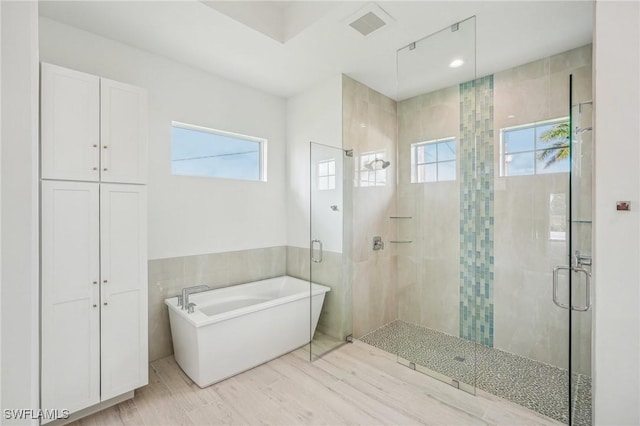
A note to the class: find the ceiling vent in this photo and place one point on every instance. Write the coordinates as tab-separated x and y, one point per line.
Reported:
369	19
367	24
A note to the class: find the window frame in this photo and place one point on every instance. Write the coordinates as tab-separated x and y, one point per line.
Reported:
262	143
415	163
535	151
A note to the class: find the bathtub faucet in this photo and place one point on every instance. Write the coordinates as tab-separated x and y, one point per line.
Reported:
189	290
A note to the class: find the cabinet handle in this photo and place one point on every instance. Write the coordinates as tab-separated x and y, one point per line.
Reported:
95	306
105	169
105	147
95	168
95	146
105	303
95	282
105	281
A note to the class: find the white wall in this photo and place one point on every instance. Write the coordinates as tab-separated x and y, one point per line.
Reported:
314	115
189	215
617	234
20	302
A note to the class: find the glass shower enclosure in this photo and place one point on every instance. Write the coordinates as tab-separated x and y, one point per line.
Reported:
493	223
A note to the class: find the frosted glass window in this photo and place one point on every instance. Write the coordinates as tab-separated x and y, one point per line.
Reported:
433	161
199	151
327	175
535	148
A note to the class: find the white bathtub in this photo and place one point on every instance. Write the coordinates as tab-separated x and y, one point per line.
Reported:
237	328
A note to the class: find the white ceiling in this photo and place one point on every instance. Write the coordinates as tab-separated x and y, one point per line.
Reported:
286	47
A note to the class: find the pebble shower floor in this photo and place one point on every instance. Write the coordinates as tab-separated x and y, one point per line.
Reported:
537	386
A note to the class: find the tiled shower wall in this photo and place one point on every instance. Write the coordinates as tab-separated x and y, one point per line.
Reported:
429	266
526	320
369	126
515	218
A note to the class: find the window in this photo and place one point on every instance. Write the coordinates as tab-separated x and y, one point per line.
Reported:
327	175
198	151
433	161
372	169
535	148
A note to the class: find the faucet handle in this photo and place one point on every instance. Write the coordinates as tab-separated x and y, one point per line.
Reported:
190	308
179	300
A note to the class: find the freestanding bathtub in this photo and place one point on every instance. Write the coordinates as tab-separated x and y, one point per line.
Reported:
234	329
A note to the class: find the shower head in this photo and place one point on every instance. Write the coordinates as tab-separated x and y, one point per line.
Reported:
377	164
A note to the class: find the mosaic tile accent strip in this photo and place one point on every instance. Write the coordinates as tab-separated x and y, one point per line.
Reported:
476	210
537	386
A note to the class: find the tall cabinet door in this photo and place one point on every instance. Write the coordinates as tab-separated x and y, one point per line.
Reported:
123	264
123	132
70	295
70	126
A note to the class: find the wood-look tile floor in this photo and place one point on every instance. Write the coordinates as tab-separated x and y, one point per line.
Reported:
356	384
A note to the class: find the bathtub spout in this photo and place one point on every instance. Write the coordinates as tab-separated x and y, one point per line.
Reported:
189	290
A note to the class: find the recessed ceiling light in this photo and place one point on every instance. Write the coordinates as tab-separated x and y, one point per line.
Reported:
510	116
456	63
363	125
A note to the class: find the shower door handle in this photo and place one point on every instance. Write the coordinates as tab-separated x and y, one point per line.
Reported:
320	251
556	270
587	275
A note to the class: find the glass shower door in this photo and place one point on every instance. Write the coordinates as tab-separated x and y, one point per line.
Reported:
437	242
530	210
581	245
331	318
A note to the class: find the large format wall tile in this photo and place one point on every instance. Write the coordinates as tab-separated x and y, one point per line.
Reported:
526	320
429	268
370	127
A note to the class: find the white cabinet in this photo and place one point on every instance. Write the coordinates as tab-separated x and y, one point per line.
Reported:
123	132
93	129
123	274
93	239
70	295
94	292
70	124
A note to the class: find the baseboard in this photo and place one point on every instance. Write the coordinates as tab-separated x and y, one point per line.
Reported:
93	409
